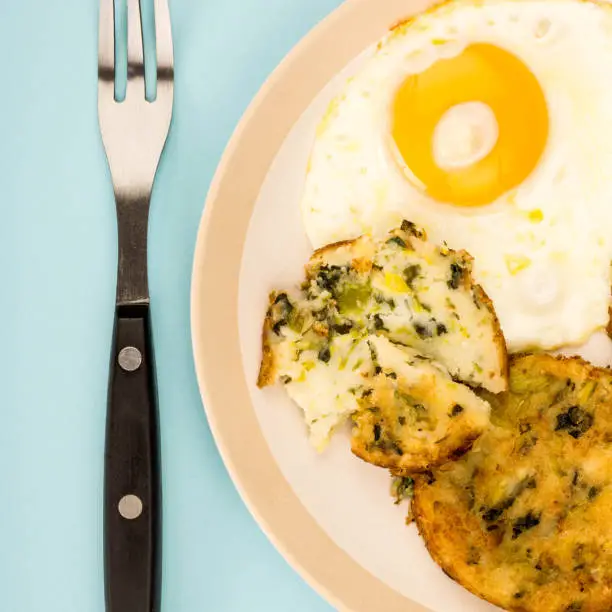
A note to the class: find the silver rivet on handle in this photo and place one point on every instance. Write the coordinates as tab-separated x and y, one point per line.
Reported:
130	507
129	358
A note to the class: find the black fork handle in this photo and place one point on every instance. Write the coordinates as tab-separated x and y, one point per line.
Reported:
132	482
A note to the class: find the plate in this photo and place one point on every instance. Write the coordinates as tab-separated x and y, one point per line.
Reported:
329	514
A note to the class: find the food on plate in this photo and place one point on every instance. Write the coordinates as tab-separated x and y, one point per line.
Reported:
414	416
524	519
430	302
418	294
316	339
487	124
324	376
402	488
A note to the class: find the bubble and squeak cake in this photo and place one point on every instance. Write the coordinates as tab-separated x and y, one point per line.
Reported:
414	416
486	124
401	306
525	518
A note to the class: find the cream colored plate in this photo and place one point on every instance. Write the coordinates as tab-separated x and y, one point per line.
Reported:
330	515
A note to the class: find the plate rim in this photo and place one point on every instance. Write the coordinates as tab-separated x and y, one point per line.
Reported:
347	586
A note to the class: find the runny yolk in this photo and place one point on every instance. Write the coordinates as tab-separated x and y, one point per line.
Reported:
485	74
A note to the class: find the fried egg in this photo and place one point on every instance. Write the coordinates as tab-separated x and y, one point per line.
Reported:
487	123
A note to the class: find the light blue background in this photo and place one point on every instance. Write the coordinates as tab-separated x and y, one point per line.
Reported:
57	251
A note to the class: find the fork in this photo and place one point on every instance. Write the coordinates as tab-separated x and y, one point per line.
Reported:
134	133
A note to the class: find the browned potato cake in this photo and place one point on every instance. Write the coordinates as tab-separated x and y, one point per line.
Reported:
403	288
524	519
414	415
419	294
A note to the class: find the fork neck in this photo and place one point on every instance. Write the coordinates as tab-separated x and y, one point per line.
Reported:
132	226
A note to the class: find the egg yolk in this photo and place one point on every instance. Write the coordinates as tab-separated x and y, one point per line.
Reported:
483	74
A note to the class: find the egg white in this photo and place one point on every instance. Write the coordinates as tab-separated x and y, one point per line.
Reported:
542	251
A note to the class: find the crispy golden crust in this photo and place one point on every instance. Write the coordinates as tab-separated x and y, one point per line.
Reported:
267	369
319	254
498	335
453	531
481	298
412	427
524	519
409	464
358	255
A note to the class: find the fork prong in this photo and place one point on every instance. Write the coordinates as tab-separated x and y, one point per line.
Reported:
136	82
163	41
106	41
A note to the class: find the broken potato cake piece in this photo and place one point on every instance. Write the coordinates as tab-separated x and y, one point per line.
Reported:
323	363
418	294
403	288
524	519
414	416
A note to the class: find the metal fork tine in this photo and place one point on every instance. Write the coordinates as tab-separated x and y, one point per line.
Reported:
106	42
136	82
163	38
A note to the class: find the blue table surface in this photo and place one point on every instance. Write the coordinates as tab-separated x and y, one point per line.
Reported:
58	250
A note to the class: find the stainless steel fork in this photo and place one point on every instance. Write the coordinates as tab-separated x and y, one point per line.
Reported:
134	132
